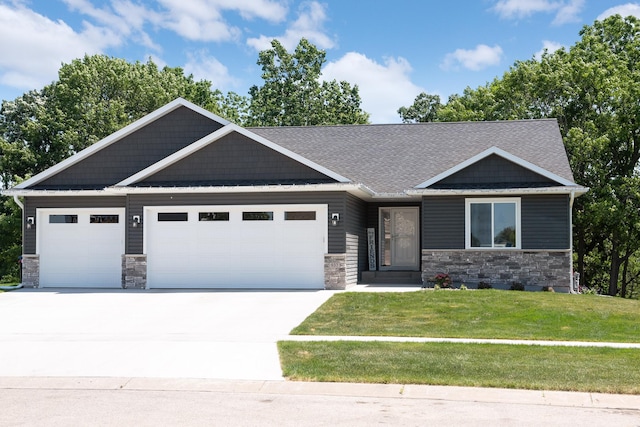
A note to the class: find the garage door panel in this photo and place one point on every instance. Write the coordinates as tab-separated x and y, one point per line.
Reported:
236	253
82	253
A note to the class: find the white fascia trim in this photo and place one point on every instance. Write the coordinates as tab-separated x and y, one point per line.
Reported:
220	133
504	154
20	192
116	136
573	189
355	188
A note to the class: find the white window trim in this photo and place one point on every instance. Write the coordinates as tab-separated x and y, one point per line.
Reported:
467	231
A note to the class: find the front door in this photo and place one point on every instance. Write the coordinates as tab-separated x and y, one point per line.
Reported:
399	231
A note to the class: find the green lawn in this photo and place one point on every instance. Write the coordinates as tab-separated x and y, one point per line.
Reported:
477	314
590	369
471	314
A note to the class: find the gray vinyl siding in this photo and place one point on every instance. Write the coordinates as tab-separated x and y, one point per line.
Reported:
334	200
33	203
235	160
134	152
545	222
494	170
443	223
356	237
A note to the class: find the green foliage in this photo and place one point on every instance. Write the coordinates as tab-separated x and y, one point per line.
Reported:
10	240
424	109
292	94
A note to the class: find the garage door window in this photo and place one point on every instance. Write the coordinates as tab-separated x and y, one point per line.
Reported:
104	219
257	216
63	219
173	216
213	216
300	216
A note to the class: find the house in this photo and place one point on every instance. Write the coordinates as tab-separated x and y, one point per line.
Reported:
185	199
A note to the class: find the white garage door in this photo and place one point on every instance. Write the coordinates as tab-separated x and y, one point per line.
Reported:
257	246
80	247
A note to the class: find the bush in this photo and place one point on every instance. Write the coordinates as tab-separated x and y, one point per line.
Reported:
548	289
516	286
443	280
484	285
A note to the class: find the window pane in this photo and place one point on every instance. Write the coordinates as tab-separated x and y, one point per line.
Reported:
481	225
173	216
504	225
214	216
300	216
257	216
63	219
386	237
104	219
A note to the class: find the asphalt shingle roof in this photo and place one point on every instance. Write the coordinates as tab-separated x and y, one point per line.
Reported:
396	157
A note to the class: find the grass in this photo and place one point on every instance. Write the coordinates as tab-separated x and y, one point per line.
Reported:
477	314
586	369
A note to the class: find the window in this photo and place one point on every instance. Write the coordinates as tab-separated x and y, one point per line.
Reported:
257	216
493	223
63	219
173	216
300	216
213	216
104	219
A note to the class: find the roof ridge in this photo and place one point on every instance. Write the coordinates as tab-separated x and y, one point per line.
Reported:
544	119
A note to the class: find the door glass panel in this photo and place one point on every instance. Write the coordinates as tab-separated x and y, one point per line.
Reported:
63	219
403	237
385	254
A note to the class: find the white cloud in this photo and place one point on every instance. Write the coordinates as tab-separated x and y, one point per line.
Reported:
206	67
481	57
549	46
309	25
383	87
35	46
565	10
629	9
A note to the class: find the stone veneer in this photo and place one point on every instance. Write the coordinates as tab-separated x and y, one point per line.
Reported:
31	271
335	271
134	271
534	269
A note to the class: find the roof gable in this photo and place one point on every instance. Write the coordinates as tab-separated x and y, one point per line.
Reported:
170	167
126	151
501	153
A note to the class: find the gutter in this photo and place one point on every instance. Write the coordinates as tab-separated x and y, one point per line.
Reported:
572	196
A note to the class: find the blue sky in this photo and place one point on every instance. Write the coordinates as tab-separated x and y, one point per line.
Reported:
393	50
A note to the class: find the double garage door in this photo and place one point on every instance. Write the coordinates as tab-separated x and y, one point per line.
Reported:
255	246
249	246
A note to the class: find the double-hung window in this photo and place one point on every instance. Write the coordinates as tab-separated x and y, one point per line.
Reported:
493	223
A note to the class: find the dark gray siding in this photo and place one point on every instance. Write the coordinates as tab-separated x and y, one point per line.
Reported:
356	237
335	201
237	160
373	221
32	203
443	223
545	222
494	172
134	152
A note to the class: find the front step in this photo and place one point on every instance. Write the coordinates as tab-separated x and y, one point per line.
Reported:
392	277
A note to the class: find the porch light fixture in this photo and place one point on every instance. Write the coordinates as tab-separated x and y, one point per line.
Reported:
335	218
30	221
136	220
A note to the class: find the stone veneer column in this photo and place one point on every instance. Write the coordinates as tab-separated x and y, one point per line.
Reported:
30	271
335	271
134	271
501	268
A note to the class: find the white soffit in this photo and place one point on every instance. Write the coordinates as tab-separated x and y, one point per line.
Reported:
116	136
504	154
215	136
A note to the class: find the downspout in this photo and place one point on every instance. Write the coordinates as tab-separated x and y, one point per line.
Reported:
572	196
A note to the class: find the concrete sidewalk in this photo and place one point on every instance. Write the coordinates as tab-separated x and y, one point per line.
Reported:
399	391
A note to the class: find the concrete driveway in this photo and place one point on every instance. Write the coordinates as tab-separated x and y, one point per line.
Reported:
163	334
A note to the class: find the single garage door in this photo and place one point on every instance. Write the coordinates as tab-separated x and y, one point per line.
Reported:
257	246
80	247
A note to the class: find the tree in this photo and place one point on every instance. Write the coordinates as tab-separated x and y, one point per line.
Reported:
424	109
292	94
593	91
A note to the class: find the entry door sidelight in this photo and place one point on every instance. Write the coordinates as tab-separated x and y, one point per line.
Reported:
399	231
